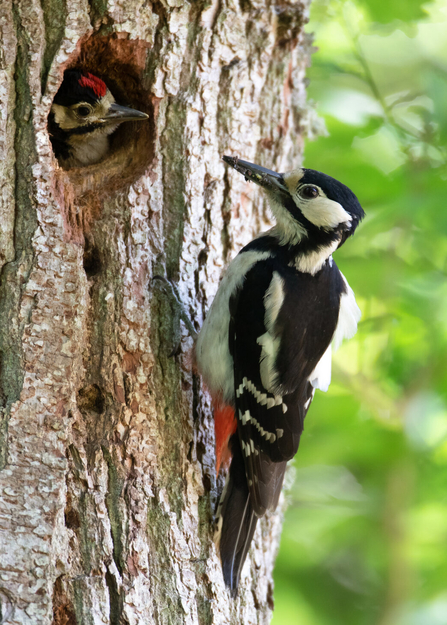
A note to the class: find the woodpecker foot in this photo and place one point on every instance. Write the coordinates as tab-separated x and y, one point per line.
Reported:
179	312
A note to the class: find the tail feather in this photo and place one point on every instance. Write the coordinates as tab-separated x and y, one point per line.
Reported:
236	519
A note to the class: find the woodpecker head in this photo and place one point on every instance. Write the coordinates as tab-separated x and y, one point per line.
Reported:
310	208
83	114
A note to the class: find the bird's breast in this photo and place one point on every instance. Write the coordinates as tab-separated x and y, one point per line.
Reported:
86	149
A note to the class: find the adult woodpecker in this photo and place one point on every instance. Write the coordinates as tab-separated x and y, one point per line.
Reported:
83	115
266	343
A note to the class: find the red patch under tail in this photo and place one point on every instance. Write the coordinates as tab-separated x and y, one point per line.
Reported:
225	425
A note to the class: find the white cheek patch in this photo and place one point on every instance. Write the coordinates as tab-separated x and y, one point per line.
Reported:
64	117
323	212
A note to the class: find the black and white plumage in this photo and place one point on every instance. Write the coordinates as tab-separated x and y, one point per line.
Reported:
266	343
83	116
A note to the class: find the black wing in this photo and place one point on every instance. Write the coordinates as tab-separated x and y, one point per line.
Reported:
270	420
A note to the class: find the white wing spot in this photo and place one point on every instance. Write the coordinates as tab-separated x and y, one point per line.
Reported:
261	398
245	417
240	389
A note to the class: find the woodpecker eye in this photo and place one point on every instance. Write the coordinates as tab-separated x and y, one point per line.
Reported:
83	110
308	192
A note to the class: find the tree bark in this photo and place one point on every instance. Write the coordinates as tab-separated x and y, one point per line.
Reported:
107	480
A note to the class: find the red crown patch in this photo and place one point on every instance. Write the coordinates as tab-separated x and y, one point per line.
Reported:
95	84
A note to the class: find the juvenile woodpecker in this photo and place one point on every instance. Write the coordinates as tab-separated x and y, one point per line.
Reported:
266	343
83	115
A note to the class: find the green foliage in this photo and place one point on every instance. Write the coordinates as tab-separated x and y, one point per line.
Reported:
365	536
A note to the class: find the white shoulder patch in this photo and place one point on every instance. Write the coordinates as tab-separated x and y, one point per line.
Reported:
214	360
269	342
323	212
348	317
273	300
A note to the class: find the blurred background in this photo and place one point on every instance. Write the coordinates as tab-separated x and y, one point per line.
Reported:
365	535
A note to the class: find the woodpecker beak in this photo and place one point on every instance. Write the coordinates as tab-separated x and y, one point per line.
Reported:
265	178
117	114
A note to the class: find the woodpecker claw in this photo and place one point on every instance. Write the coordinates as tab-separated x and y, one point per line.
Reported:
179	312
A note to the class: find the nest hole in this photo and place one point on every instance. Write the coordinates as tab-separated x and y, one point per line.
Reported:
120	63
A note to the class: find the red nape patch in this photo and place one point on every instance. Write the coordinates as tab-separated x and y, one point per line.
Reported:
95	84
225	425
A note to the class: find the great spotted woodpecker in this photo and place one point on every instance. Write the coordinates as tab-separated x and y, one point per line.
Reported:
266	343
83	115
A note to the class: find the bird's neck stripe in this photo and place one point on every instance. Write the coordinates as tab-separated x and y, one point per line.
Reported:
84	130
94	83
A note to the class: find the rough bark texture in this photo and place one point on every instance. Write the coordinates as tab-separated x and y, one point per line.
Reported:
107	482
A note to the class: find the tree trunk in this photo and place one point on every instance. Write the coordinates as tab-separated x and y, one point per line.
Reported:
107	480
